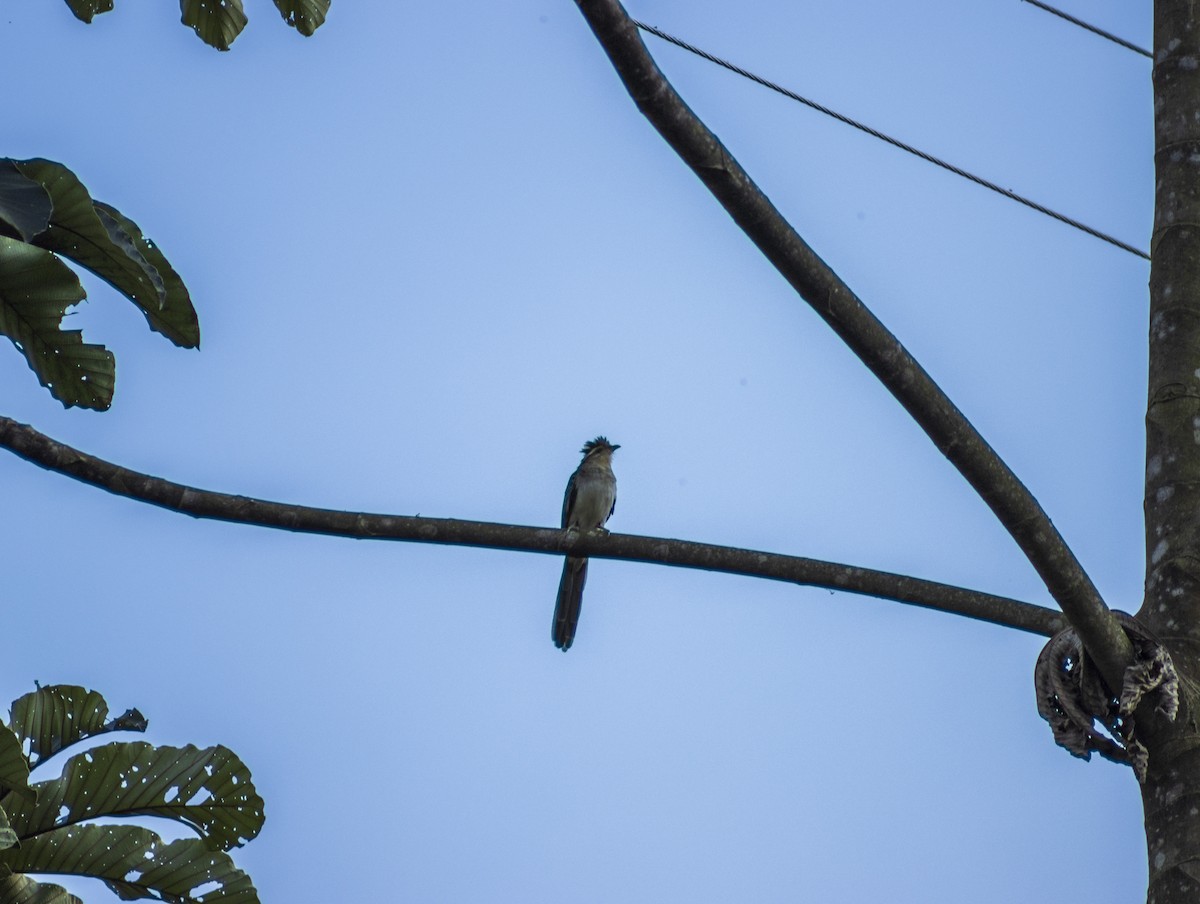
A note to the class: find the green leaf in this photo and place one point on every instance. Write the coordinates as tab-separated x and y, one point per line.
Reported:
86	9
25	206
14	768
217	22
77	231
209	790
8	838
36	288
23	890
306	16
56	716
176	319
136	863
103	240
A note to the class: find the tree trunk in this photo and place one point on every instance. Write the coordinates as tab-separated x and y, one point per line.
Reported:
1171	794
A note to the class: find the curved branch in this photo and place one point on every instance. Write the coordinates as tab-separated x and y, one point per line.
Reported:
954	436
39	449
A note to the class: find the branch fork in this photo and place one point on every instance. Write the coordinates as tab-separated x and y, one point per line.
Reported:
1072	695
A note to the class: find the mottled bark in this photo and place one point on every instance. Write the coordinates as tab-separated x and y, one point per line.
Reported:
1171	796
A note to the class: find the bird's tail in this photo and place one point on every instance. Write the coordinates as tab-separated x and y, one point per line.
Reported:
570	601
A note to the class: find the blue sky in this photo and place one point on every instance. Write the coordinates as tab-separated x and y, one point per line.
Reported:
434	249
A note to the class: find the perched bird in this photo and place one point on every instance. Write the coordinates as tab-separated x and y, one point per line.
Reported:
590	500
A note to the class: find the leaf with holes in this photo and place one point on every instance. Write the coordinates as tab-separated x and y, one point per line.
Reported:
59	715
53	830
217	22
136	863
306	16
36	288
105	241
209	790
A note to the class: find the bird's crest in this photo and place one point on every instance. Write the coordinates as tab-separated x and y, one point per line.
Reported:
600	442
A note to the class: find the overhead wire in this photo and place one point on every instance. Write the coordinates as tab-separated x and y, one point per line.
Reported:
1092	28
875	133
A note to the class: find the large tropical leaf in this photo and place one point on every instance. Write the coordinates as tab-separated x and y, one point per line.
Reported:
59	715
306	16
14	778
209	790
36	288
217	22
25	205
87	9
52	830
14	768
185	867
136	863
23	890
75	231
111	245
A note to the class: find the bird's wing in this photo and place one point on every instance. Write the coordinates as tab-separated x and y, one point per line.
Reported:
569	499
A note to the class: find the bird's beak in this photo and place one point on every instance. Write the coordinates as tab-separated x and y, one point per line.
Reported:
616	447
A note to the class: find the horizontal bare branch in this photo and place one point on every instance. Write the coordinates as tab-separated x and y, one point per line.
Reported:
954	436
41	450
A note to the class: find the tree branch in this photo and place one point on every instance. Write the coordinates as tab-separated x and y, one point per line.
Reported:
39	449
876	347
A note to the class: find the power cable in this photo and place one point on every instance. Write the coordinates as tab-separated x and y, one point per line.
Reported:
1092	28
874	133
